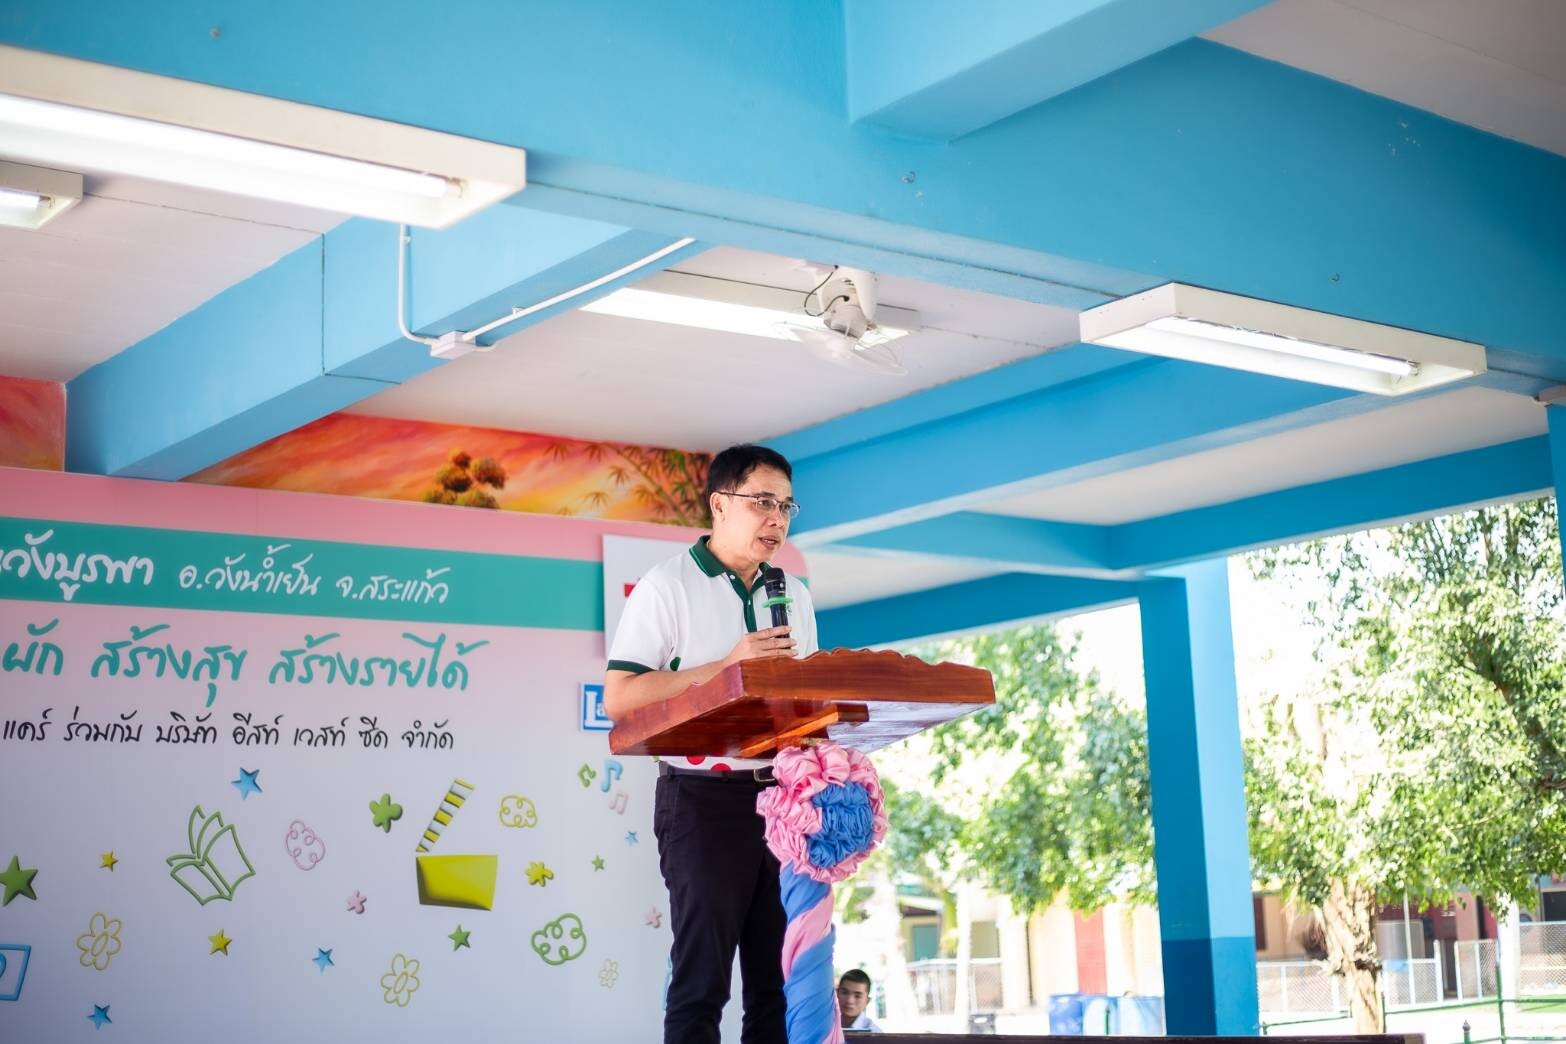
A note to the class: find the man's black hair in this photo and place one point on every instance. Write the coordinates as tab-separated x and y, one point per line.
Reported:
733	466
855	975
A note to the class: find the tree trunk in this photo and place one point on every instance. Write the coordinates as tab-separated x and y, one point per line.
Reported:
1351	951
896	987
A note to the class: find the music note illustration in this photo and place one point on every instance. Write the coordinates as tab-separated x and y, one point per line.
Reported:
617	803
586	775
611	773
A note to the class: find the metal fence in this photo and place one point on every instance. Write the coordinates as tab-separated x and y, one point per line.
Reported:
1405	984
1297	988
1541	963
1475	960
1541	958
935	985
1286	988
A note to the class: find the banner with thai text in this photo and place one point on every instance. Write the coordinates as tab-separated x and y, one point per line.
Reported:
281	766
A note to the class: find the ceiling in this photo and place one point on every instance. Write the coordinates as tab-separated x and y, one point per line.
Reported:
126	261
585	375
136	255
1500	67
838	579
1431	426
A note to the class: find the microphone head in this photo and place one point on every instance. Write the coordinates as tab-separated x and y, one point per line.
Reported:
772	579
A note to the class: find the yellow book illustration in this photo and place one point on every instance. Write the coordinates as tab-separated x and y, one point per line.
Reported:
457	880
467	881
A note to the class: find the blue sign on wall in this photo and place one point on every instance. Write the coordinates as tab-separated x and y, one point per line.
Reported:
594	718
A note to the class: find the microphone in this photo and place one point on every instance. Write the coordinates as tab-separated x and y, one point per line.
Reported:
772	580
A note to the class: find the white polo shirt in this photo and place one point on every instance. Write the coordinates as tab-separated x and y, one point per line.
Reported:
692	610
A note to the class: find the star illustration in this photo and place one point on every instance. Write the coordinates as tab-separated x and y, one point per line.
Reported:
17	882
539	874
459	939
99	1016
108	861
247	782
356	902
323	959
219	943
385	812
654	918
630	837
598	862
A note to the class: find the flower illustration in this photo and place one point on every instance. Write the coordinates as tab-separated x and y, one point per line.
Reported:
609	974
100	942
402	982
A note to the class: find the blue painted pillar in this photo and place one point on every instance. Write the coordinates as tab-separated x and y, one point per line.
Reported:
1557	419
1200	843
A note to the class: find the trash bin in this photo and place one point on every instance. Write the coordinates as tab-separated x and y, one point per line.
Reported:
981	1024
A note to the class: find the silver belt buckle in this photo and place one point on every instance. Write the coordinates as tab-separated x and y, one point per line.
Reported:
763	774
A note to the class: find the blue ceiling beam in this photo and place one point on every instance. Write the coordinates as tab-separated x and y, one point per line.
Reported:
966	607
940	70
1000	541
1048	369
317	331
1143	413
1198	163
1440	485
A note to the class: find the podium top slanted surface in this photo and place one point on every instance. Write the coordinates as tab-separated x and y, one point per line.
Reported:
856	698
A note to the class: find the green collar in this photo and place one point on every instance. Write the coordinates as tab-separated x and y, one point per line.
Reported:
706	559
712	567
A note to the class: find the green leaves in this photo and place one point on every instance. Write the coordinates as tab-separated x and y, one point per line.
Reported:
1071	817
1425	752
1433	755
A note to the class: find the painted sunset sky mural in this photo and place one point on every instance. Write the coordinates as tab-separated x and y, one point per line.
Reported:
32	424
355	455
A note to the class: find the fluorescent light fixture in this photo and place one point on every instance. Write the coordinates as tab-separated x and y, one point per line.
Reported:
1244	333
728	306
97	118
31	197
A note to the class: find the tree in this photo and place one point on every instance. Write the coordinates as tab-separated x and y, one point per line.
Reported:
1427	756
461	482
668	485
1424	755
1069	813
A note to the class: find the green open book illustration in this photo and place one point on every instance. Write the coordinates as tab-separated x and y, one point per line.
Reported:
215	864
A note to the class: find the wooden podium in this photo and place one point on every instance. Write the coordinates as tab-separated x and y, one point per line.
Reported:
855	698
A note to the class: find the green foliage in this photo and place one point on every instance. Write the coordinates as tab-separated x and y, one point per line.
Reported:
924	836
1070	817
1428	756
1426	752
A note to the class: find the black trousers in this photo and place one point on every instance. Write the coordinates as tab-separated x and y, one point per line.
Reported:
723	894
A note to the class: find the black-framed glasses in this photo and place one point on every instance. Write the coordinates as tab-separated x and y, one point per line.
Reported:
765	504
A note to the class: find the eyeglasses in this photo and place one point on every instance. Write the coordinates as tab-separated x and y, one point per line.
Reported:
767	505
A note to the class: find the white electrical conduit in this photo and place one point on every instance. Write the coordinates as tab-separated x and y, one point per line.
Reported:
403	239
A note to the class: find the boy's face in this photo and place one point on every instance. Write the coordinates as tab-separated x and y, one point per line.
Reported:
852	997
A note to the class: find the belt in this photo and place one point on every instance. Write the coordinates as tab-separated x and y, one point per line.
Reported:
760	776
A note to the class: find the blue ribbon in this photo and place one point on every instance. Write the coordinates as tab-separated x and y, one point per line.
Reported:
846	824
808	989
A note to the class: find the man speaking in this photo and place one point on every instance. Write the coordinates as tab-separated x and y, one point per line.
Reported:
686	620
